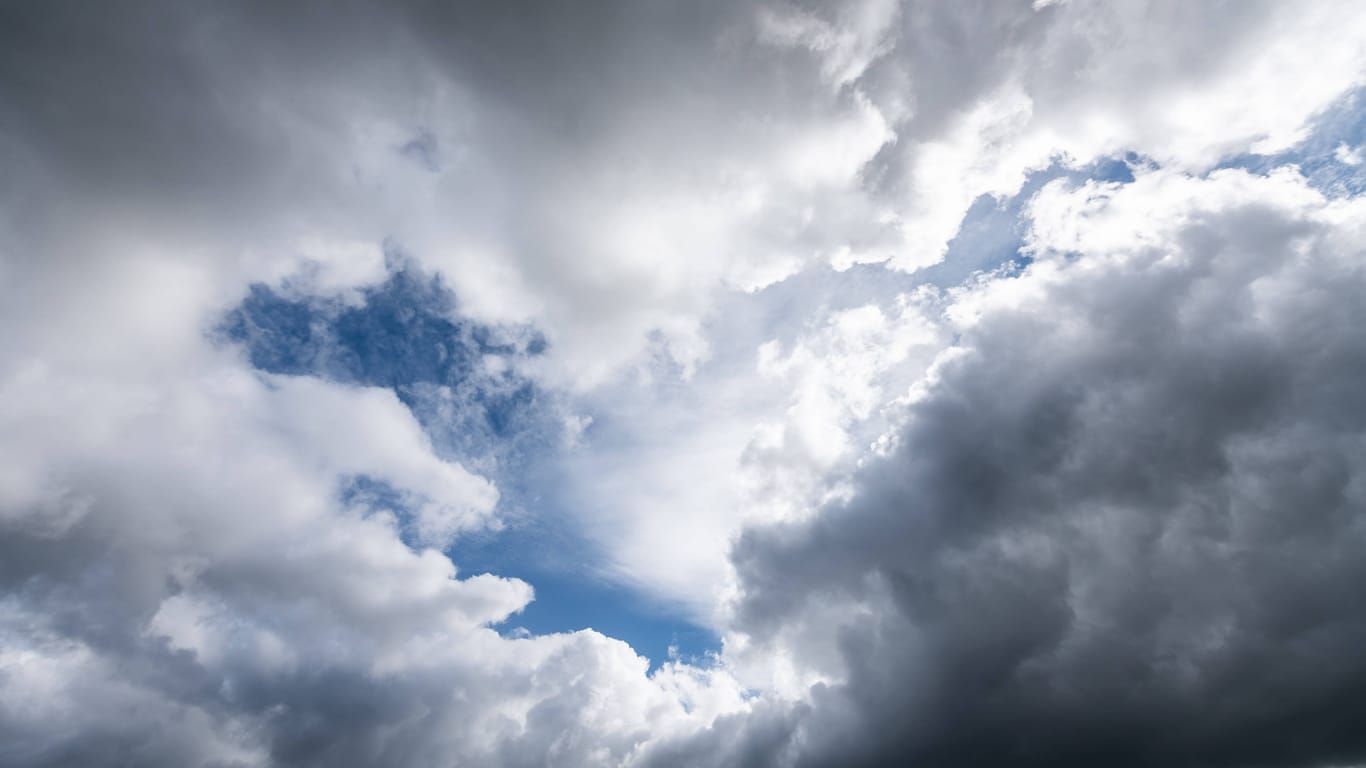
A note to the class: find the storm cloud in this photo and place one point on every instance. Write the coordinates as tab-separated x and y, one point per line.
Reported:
1122	524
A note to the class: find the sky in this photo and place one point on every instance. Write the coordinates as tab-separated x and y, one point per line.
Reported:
647	383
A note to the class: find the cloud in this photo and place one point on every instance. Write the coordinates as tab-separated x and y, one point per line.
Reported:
602	173
186	583
1121	520
1099	508
984	93
464	381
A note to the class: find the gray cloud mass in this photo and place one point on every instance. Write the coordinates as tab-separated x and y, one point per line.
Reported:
1123	527
1114	509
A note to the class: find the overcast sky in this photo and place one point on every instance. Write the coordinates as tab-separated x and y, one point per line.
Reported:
663	383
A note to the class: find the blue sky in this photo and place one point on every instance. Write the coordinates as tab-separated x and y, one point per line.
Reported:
406	335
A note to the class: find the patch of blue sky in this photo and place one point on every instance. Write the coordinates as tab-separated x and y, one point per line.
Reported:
455	375
460	381
572	593
991	235
1331	156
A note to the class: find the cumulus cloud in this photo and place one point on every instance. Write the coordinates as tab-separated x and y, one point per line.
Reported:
1122	519
1099	505
186	581
186	584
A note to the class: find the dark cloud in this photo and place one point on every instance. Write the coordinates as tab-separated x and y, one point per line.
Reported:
1122	527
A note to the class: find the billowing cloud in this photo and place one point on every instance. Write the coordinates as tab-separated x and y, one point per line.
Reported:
1121	523
298	300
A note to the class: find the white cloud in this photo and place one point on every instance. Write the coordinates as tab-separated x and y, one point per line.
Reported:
1183	84
209	539
175	543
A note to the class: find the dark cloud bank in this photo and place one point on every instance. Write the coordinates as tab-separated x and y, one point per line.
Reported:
1126	527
